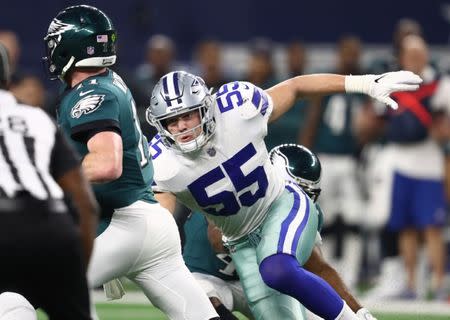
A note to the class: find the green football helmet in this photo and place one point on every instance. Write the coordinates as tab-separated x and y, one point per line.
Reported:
79	36
300	165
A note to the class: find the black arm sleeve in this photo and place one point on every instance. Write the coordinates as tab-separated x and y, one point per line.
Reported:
63	157
86	131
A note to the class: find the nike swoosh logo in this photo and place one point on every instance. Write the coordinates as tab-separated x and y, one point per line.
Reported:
85	93
378	79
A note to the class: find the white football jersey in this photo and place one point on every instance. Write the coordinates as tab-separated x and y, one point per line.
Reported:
27	142
231	178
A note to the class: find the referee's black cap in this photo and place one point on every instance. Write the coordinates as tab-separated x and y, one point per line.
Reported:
5	67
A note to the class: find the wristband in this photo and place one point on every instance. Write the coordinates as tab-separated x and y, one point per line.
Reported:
360	84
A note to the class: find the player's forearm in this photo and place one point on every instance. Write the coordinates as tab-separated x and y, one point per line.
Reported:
166	200
332	277
77	188
215	238
318	84
88	226
285	94
314	84
102	167
317	265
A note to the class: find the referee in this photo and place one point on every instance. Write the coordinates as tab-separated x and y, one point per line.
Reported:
43	253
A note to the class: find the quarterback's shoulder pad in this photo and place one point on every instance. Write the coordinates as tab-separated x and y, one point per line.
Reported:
88	98
247	99
88	88
164	160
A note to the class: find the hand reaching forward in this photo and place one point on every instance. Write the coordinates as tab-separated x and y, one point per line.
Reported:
381	86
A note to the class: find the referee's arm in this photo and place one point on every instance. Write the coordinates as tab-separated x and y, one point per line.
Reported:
67	172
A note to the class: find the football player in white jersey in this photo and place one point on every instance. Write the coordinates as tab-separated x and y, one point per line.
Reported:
210	155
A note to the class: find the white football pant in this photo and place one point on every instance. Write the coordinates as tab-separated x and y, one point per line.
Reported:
142	243
230	293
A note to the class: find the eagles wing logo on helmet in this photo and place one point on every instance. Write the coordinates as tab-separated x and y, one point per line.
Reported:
58	27
87	105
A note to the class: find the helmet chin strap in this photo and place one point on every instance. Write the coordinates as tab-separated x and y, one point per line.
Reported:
67	67
190	146
193	145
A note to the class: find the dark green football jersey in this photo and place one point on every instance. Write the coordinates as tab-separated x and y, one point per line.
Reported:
198	254
335	133
319	210
104	103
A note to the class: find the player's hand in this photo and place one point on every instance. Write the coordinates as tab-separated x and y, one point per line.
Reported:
381	86
364	314
385	84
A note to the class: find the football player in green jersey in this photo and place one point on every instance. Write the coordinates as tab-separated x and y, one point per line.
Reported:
213	267
98	114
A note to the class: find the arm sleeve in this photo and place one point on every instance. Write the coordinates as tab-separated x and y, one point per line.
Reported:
86	131
63	157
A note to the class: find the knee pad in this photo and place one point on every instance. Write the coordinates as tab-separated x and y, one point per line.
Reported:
14	306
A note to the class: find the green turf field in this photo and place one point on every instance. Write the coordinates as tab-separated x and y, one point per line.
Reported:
109	311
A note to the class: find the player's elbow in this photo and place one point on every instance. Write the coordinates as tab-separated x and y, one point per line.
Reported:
112	174
113	170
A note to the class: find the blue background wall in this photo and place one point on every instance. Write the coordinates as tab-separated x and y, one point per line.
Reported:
231	20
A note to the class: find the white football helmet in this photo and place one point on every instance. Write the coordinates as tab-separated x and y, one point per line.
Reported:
177	93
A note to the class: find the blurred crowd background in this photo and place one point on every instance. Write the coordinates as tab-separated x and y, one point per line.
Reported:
364	150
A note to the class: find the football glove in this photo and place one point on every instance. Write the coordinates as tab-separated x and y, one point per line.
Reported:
113	289
381	86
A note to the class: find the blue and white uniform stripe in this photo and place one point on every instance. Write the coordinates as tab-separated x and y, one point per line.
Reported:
293	226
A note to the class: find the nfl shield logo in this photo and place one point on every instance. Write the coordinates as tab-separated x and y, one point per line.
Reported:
211	152
90	50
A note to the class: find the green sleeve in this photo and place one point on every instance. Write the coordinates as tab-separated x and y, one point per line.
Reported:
93	113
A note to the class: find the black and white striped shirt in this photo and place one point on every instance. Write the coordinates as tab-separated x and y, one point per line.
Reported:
33	152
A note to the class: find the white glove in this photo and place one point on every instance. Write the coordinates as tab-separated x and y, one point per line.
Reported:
364	314
113	289
381	86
